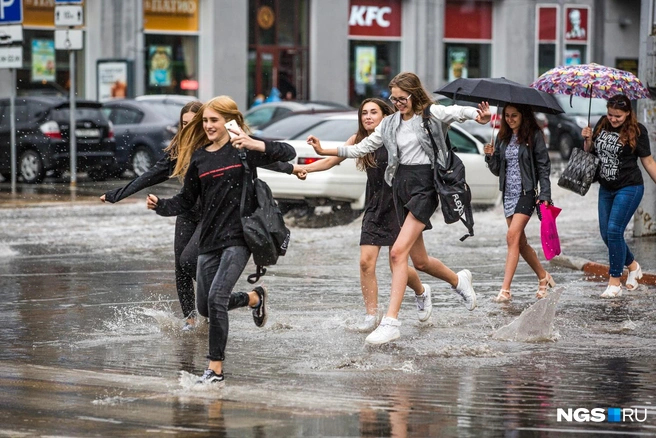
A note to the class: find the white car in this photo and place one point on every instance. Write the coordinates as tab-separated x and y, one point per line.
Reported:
345	184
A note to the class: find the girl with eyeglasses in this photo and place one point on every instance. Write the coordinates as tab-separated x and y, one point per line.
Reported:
619	140
410	173
379	224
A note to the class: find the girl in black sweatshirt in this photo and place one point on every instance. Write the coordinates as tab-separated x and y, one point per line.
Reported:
214	174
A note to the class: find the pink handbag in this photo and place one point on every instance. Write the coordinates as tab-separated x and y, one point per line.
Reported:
548	231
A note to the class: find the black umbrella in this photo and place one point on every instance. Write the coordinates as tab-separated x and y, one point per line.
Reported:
499	91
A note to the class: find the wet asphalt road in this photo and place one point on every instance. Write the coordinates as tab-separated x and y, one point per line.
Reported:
91	342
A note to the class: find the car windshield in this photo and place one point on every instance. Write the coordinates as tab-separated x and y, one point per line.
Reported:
170	110
288	127
331	130
580	105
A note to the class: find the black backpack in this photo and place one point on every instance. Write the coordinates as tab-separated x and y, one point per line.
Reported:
453	192
265	231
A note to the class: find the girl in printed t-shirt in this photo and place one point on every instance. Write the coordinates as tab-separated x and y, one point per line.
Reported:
618	141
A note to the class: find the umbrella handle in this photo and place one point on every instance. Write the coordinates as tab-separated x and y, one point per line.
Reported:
590	102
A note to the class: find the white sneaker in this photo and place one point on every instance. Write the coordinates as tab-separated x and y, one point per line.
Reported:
465	289
633	277
612	292
368	324
424	304
387	331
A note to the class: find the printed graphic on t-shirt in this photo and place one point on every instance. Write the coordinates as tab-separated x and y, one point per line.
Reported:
608	150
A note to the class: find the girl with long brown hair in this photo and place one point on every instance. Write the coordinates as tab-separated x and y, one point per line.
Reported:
410	173
619	140
380	227
520	159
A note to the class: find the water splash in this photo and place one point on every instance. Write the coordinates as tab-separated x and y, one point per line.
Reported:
535	324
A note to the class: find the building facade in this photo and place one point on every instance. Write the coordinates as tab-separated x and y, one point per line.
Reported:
337	50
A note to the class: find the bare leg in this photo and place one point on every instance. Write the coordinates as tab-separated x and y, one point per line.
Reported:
368	281
411	243
517	243
414	282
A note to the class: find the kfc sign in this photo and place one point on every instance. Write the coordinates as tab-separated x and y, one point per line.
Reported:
371	18
576	24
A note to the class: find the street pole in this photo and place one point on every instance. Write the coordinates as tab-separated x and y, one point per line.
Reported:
12	129
71	130
139	67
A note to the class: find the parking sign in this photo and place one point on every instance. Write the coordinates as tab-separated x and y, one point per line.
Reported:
11	11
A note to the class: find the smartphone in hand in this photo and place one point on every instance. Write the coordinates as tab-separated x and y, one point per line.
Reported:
232	126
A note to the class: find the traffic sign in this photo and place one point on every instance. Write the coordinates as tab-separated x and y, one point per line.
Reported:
68	39
11	57
11	11
11	33
68	15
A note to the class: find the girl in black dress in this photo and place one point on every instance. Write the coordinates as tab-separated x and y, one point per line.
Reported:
380	226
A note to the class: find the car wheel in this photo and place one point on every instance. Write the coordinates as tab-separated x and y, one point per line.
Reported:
565	145
142	160
31	167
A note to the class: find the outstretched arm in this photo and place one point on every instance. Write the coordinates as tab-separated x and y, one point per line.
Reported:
328	163
157	174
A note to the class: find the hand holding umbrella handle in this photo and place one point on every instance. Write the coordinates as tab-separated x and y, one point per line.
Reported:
488	149
586	133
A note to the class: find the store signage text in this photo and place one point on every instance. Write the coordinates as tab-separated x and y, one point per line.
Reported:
375	18
365	15
171	6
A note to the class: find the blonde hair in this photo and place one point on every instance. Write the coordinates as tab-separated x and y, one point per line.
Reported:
172	148
193	137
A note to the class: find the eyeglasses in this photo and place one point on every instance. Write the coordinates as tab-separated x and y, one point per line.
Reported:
401	100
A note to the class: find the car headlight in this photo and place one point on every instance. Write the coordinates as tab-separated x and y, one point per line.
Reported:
581	122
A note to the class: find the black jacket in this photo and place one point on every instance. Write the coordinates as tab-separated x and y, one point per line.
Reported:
161	172
535	167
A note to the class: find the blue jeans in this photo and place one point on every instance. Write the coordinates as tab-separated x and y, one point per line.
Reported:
217	275
616	207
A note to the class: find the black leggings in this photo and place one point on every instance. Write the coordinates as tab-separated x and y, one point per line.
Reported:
185	247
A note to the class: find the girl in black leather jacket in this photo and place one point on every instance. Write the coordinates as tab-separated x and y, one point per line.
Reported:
521	161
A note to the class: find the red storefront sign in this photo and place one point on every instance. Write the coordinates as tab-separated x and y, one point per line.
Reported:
547	23
468	20
576	24
375	18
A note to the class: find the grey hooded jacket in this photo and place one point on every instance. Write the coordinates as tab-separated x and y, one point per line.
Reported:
385	134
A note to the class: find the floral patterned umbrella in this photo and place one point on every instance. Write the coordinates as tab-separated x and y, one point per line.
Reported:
591	80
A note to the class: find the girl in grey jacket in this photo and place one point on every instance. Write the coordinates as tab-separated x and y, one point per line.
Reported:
410	173
521	162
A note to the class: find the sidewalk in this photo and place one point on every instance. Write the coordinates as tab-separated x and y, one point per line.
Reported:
597	270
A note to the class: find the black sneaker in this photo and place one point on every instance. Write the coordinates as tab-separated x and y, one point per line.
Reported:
210	377
260	311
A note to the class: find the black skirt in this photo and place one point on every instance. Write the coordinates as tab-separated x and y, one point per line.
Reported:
526	203
414	191
380	226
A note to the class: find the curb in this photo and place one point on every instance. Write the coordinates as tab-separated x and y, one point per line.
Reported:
596	269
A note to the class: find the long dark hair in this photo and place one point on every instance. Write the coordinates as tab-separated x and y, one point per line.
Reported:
172	148
629	131
526	130
367	161
410	83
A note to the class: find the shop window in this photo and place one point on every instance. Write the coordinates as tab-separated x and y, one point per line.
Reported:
170	59
466	61
546	57
372	65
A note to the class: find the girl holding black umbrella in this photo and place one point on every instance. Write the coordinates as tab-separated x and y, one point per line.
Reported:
521	161
619	140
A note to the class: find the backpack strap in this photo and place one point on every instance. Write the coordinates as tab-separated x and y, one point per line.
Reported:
248	177
426	124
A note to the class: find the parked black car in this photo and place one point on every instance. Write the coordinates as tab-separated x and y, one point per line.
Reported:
566	128
142	133
42	138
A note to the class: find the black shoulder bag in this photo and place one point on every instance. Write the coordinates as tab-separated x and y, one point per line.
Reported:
265	231
453	192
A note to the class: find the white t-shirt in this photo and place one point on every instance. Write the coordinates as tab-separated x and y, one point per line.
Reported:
410	150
